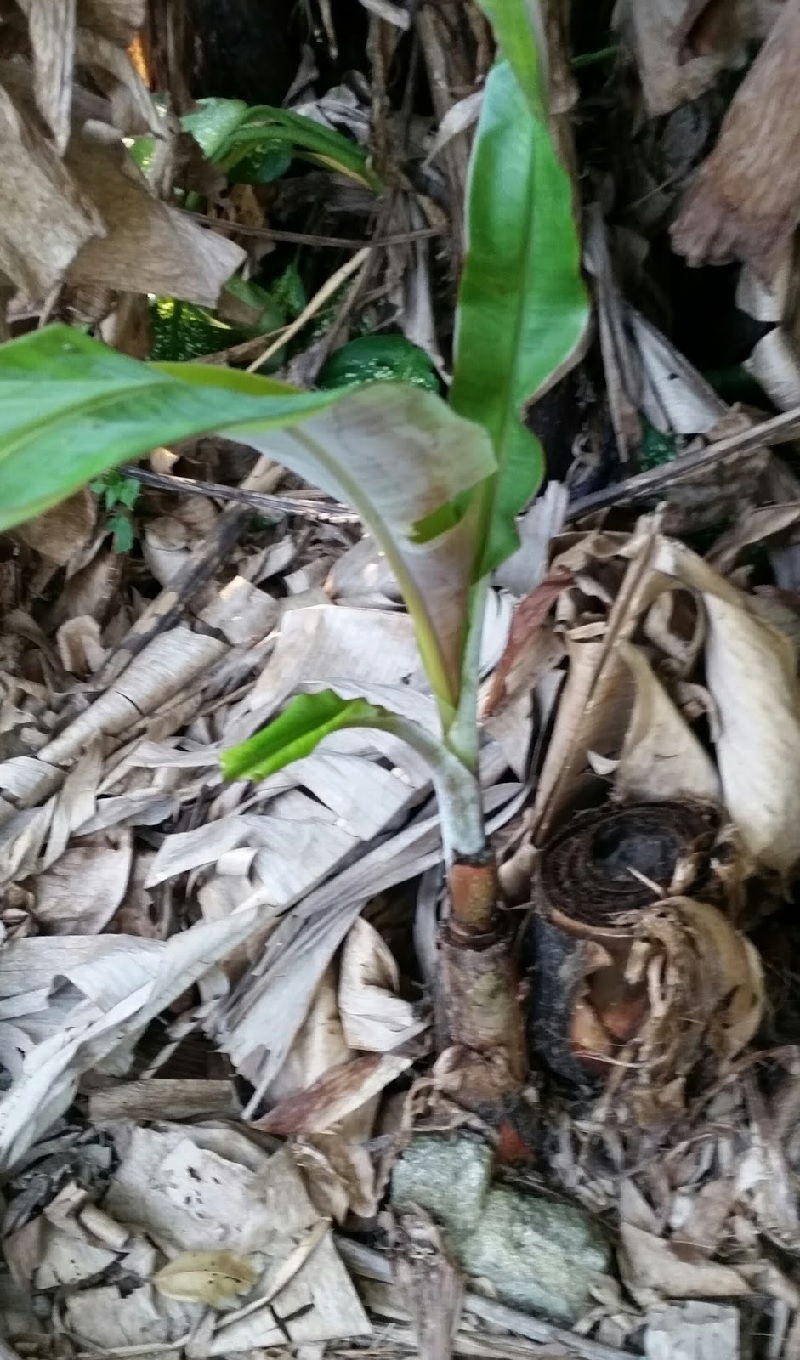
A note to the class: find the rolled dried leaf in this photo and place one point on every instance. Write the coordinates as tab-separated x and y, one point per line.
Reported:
595	702
609	862
597	879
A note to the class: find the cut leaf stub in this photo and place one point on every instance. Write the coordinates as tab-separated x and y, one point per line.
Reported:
628	969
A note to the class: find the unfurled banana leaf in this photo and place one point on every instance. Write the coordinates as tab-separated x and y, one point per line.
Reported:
523	307
70	409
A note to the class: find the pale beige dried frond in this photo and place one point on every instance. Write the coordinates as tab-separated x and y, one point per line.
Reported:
751	674
374	1018
661	757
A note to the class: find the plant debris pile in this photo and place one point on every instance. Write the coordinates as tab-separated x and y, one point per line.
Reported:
236	1117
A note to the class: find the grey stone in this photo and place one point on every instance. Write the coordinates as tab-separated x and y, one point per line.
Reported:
536	1254
539	1255
448	1177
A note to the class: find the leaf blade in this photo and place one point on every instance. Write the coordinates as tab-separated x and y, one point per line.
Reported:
523	307
70	409
519	31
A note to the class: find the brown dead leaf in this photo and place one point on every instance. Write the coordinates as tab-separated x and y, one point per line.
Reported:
132	109
651	1266
745	201
52	27
759	525
528	617
337	1093
708	1210
676	625
374	1018
79	894
119	20
728	971
62	532
341	1172
96	194
182	1186
331	1194
38	188
151	246
658	32
79	646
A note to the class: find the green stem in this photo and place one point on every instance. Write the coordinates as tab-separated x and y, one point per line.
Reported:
441	683
457	788
462	735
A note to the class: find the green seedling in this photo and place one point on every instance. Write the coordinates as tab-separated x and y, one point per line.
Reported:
119	495
437	483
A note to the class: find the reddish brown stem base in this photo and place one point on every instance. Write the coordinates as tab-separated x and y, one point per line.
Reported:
482	988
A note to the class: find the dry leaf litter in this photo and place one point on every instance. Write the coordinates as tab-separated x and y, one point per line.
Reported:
218	1004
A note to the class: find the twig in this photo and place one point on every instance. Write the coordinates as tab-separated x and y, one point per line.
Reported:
779	430
330	512
304	368
302	238
234	354
204	560
535	1329
444	41
161	613
329	287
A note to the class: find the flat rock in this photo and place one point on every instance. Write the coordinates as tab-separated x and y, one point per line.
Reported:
537	1254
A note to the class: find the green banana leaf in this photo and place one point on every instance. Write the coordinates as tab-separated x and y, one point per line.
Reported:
415	471
519	32
523	307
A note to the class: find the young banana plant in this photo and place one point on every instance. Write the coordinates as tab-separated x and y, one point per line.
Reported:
437	483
